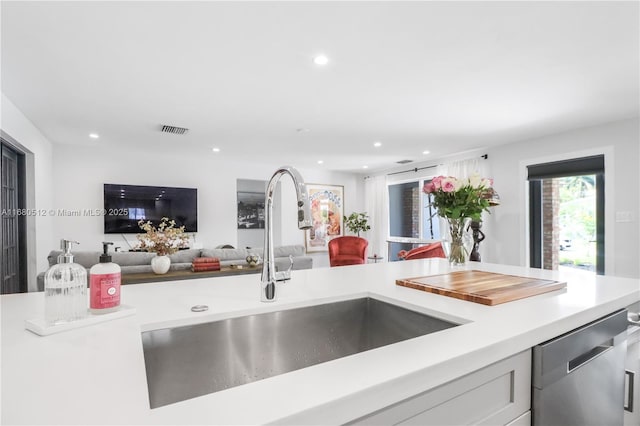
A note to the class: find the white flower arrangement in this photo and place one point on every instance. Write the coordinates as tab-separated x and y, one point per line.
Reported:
163	240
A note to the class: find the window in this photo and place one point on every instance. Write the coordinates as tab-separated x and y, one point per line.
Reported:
13	270
566	203
411	215
137	213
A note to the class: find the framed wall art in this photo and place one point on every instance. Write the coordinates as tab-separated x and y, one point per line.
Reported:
250	210
327	212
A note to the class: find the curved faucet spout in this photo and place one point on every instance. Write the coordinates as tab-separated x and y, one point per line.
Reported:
269	276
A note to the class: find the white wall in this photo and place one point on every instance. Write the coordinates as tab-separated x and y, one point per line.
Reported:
80	172
39	162
619	142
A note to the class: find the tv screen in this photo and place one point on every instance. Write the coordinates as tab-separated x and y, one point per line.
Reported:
125	205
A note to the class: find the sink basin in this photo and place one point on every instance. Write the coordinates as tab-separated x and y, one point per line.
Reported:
190	361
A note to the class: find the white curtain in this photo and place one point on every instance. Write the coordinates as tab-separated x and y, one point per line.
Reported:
465	168
377	207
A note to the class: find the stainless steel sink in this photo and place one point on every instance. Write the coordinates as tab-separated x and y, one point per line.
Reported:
190	361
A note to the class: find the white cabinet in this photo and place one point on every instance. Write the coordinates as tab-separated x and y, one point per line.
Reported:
498	394
523	420
632	380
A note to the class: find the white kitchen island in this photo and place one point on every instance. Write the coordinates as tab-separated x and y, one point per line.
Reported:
96	374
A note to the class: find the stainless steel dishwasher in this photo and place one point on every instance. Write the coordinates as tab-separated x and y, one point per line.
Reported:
578	378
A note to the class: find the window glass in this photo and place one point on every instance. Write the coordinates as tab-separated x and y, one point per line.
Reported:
411	215
136	213
404	210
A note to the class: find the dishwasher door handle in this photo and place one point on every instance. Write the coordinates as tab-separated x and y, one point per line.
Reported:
586	357
630	393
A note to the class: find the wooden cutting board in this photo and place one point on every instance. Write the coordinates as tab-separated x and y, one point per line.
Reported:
487	288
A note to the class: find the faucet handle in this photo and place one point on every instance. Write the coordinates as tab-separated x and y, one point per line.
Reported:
285	275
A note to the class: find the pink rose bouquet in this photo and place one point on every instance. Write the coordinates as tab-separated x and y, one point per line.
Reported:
460	198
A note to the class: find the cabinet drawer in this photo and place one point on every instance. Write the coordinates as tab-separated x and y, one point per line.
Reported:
496	394
523	420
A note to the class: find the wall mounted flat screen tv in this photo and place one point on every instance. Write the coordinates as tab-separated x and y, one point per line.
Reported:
125	205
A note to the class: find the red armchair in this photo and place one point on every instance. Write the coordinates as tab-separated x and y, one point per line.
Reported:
430	250
348	251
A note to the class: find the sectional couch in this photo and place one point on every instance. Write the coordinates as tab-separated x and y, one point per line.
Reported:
140	262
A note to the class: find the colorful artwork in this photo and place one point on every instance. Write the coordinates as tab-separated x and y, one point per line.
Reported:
327	211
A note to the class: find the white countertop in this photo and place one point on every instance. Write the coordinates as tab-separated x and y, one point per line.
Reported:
96	374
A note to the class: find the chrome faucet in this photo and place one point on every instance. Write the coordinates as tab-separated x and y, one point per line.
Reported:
269	274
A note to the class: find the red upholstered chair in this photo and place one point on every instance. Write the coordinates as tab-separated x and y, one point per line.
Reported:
348	251
430	250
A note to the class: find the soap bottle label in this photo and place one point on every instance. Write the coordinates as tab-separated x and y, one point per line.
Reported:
105	291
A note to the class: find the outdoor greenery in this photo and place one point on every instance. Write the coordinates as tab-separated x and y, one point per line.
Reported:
578	261
577	221
577	208
577	214
357	222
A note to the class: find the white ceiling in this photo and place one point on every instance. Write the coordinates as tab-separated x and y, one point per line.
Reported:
443	77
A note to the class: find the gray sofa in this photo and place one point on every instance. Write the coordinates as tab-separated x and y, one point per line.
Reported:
140	262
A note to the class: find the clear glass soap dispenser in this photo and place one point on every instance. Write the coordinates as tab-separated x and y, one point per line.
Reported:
65	289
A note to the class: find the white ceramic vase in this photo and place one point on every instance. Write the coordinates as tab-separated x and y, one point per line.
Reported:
160	264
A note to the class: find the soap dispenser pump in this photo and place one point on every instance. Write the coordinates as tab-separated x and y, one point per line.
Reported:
65	289
105	280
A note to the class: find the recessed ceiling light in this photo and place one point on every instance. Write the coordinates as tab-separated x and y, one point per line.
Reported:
377	144
303	130
94	135
216	149
320	161
321	60
426	152
365	167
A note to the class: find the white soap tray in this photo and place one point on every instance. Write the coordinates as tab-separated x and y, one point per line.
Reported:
40	327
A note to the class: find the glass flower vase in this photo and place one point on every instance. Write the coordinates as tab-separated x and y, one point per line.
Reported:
457	251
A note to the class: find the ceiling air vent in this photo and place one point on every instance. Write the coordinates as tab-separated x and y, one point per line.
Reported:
404	161
173	129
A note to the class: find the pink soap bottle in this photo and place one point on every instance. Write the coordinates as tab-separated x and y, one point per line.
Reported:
104	279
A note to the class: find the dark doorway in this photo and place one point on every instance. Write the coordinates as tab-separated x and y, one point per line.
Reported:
566	202
13	229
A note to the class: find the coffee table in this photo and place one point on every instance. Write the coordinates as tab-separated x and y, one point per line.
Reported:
150	277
